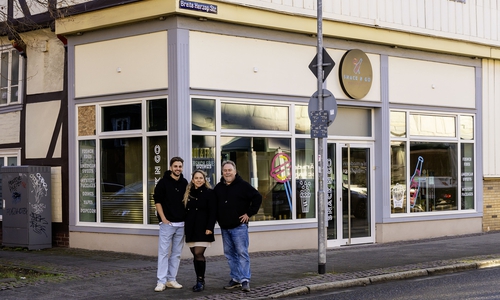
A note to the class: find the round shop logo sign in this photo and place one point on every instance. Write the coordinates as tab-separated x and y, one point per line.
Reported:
355	74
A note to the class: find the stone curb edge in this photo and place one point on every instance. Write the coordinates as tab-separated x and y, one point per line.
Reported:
307	289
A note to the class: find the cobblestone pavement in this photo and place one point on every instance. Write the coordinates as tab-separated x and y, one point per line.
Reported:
85	274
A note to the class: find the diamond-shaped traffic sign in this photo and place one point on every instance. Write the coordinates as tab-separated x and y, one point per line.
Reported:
328	65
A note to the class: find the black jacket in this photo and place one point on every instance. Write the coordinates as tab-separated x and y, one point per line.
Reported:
169	193
235	200
201	210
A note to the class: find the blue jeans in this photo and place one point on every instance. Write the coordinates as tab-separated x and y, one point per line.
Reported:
169	265
235	242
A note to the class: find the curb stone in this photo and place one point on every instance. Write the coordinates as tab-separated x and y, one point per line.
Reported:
455	268
398	275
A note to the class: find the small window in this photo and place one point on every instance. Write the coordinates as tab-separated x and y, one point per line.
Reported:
254	117
121	117
430	125
203	114
10	71
157	115
398	123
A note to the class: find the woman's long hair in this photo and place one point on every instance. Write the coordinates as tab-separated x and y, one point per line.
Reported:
191	185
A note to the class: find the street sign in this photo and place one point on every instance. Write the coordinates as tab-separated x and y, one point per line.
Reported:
329	105
328	65
319	121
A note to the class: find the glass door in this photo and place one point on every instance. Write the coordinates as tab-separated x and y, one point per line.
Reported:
349	193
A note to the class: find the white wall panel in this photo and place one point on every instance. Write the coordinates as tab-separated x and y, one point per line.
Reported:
428	83
136	63
491	122
474	20
40	123
10	124
220	62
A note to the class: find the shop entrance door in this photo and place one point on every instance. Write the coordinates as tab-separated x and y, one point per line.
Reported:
349	194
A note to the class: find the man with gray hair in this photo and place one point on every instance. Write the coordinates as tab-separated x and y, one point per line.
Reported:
237	201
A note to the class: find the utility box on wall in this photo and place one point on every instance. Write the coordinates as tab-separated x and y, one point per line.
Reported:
27	214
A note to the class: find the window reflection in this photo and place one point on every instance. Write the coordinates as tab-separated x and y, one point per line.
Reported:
157	166
305	195
204	156
302	121
433	185
121	117
429	125
157	115
467	176
265	163
398	177
121	176
259	117
359	120
398	123
203	114
466	127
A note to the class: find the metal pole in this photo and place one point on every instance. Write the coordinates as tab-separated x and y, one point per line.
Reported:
321	158
349	191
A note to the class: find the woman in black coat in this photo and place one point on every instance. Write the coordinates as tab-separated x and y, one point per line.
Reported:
201	212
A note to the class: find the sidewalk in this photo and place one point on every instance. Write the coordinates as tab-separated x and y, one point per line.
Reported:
108	275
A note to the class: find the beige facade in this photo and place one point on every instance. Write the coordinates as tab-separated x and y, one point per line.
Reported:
263	55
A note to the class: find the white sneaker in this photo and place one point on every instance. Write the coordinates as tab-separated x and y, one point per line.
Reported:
174	284
160	287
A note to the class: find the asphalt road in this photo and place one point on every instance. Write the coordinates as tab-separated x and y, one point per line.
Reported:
474	284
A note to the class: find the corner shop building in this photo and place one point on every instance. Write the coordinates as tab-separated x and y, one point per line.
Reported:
150	84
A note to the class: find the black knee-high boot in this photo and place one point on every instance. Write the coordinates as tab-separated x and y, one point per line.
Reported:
199	267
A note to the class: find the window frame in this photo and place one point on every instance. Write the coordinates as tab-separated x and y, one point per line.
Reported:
98	136
20	84
290	134
407	139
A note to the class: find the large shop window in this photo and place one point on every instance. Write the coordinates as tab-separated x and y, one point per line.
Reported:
10	74
271	152
432	167
115	186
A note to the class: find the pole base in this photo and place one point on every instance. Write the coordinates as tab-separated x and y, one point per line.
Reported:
321	268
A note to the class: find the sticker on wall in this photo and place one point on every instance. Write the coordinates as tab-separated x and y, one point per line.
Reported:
355	74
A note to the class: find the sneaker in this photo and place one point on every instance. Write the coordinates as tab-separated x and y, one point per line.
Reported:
245	286
174	284
160	287
232	284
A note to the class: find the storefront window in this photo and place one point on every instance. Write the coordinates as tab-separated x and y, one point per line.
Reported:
398	123
305	197
204	156
431	125
398	177
433	181
121	117
157	166
265	163
121	180
466	128
302	121
425	172
157	114
359	120
114	166
254	117
203	114
467	169
87	180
